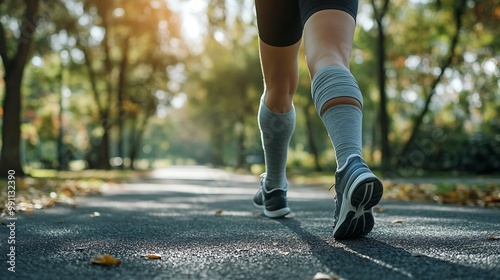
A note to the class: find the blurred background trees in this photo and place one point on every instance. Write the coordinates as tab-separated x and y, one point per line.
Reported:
146	83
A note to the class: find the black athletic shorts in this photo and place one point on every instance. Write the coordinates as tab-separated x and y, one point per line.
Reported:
280	22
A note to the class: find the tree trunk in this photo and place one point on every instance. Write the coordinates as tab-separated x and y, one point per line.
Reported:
217	140
135	142
103	110
384	119
10	158
11	128
103	150
133	156
62	159
120	97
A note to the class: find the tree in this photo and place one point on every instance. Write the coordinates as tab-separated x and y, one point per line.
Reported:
458	11
228	86
379	14
133	41
14	60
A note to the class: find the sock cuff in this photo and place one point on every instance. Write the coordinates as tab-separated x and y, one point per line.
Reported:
343	109
331	82
264	107
281	125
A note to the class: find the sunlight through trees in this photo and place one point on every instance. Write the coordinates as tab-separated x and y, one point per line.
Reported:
145	83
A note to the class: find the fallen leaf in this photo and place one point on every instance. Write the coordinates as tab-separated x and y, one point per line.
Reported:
494	237
105	259
153	256
95	214
3	223
397	221
378	209
323	276
218	212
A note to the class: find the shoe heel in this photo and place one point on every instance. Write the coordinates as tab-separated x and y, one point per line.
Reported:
367	194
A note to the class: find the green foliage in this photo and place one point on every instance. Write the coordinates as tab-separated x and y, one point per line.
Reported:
227	101
419	37
122	66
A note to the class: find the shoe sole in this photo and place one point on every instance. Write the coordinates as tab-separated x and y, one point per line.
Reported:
280	213
273	214
260	207
356	214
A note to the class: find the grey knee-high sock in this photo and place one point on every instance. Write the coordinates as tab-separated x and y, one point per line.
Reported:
276	131
343	122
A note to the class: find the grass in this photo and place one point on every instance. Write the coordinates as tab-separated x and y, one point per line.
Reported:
45	187
85	174
440	187
472	191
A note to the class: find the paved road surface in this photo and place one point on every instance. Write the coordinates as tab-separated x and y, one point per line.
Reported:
204	225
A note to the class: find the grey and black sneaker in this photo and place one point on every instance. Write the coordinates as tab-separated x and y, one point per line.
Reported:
273	203
358	190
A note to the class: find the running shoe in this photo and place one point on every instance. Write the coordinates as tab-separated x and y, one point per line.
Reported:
357	191
273	203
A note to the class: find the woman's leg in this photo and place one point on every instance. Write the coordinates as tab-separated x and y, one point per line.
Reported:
328	36
276	123
280	71
276	112
280	31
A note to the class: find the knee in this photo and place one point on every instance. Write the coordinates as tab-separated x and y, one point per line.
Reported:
319	57
279	92
320	61
278	100
282	84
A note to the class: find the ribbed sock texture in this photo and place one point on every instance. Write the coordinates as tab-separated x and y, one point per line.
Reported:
343	123
276	131
332	82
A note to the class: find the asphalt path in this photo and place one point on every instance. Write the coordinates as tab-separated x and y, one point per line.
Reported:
203	224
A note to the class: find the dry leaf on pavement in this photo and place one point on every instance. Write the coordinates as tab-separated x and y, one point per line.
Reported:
105	259
494	237
153	256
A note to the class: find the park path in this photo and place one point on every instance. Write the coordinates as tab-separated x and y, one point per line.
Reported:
203	224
